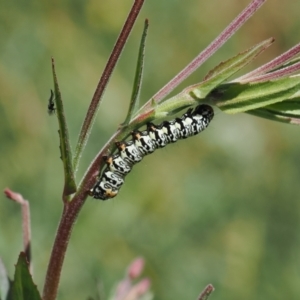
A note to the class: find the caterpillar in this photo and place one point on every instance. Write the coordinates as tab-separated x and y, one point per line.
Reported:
145	142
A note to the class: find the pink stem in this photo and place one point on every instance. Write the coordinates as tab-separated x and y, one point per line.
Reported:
206	292
273	64
211	49
284	72
18	198
111	63
72	209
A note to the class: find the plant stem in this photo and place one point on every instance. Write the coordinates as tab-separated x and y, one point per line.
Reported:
111	63
68	218
276	62
26	228
72	208
284	72
69	215
209	50
206	292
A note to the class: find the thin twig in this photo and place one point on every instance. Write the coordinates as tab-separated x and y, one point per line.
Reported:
18	198
111	63
206	292
284	72
210	50
276	62
68	218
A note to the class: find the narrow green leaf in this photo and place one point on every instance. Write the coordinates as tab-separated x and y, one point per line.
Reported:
200	91
226	69
4	282
23	287
278	99
65	147
286	112
237	97
134	102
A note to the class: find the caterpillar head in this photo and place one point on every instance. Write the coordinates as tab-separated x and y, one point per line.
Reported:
205	111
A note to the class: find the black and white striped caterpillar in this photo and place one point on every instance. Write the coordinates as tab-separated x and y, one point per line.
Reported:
145	142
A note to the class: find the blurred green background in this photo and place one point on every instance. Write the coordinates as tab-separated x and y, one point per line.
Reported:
220	208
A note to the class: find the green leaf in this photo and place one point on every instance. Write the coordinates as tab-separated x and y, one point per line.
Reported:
65	147
134	103
237	97
23	287
4	282
226	69
286	112
198	92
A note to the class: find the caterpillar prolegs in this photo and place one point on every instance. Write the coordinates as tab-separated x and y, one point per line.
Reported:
145	142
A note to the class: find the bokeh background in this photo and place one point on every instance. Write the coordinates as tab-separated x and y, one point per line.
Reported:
220	208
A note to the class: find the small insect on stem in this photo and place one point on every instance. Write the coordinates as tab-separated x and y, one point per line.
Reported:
51	105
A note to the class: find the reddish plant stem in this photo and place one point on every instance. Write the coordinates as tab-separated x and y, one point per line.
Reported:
72	208
69	215
68	218
284	72
26	228
111	63
209	50
206	292
273	64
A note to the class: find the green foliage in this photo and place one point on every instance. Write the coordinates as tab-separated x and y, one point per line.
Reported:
201	92
238	97
286	112
64	146
134	102
257	98
226	69
23	287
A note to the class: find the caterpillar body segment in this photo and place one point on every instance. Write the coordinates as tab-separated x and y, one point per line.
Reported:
113	178
104	190
118	165
146	142
171	130
156	133
143	142
129	152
